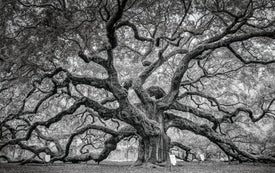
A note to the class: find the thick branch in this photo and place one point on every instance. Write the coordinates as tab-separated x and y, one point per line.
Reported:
109	145
110	26
237	55
225	143
183	65
102	111
184	108
135	30
96	59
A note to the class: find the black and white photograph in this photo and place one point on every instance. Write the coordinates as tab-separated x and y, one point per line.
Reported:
137	86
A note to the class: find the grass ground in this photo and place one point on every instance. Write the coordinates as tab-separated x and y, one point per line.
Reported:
112	167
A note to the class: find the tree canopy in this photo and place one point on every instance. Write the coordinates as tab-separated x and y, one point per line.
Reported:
128	68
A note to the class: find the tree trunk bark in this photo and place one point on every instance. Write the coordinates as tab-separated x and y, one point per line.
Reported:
154	149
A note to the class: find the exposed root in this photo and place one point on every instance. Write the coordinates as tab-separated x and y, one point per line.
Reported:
151	165
137	163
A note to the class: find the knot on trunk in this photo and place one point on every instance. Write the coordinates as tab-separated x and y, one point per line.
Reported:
156	91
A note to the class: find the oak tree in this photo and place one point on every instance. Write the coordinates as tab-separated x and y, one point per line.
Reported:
147	66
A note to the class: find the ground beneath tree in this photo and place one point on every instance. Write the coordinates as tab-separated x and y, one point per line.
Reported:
115	167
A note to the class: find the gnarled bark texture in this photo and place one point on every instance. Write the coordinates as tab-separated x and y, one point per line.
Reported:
154	150
74	61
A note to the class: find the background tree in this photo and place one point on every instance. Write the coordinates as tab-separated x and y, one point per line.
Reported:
147	66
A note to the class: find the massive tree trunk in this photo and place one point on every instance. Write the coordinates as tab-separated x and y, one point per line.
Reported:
154	149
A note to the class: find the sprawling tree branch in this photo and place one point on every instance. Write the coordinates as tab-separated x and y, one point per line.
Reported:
223	142
177	56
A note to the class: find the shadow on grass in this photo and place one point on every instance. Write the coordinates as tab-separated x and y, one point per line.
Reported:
125	167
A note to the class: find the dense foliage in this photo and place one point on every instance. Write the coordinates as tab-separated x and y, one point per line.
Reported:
79	76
